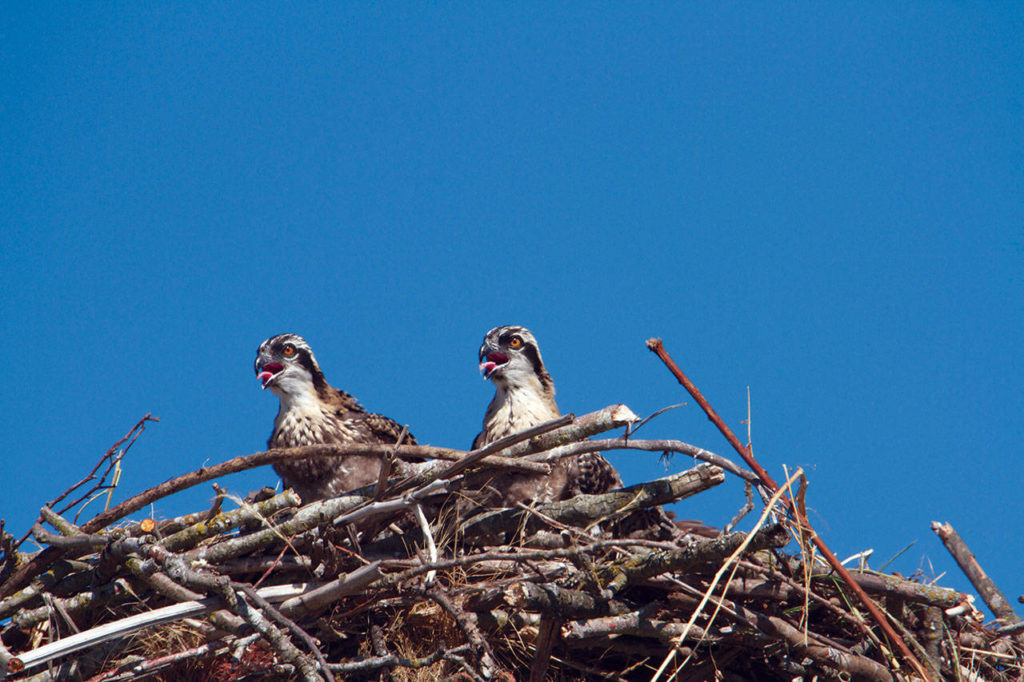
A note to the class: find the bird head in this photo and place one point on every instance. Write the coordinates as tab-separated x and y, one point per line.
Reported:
285	364
510	356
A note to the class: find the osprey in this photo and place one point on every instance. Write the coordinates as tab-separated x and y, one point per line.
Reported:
525	396
312	412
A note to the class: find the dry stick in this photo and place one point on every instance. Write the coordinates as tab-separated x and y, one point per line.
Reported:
428	537
502	443
225	521
89	599
633	623
891	586
656	346
132	435
823	650
275	615
234	599
628	443
561	602
992	595
583	509
718	576
137	669
541	437
387	464
467	624
394	661
125	626
318	599
548	633
42	560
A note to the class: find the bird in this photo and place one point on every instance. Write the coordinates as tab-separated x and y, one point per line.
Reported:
312	412
524	396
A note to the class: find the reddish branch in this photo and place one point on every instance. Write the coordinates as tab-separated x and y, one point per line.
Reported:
656	346
40	561
555	602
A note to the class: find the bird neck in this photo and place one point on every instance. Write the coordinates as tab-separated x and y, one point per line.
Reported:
528	397
297	396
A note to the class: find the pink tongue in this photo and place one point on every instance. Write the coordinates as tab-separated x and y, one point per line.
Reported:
486	367
264	377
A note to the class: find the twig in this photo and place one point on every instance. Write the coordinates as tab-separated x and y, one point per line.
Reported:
466	622
124	626
720	572
583	509
282	620
572	449
428	537
548	633
394	661
991	594
656	346
315	600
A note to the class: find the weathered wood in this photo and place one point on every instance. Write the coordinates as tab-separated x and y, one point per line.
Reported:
555	590
990	594
616	575
582	510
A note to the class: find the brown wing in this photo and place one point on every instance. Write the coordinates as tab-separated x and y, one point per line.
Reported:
340	400
596	474
387	430
375	428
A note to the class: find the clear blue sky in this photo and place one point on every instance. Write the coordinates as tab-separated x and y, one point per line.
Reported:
822	202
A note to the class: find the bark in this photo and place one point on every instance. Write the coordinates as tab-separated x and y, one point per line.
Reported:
564	603
616	576
585	509
631	624
991	594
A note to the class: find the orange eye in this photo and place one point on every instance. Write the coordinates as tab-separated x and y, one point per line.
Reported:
515	342
289	349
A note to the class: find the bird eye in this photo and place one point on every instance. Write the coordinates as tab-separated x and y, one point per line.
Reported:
515	342
289	349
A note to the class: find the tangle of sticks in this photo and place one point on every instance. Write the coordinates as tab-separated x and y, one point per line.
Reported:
410	579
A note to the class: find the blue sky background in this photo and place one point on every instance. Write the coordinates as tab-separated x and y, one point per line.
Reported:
821	202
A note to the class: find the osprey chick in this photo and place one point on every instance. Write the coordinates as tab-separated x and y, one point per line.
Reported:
312	412
525	396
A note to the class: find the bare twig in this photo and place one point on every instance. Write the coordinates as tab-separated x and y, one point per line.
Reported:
656	346
991	594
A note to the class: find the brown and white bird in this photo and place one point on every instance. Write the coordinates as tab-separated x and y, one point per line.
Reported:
525	397
312	412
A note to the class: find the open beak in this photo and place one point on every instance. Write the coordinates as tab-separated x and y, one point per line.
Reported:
267	372
491	362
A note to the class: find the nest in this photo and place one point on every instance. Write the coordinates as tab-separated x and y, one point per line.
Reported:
411	579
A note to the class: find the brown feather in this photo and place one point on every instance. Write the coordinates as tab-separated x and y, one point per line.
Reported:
313	412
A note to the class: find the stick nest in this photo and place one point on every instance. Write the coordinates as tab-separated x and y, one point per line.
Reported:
413	580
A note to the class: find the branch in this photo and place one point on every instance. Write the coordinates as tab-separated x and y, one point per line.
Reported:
583	509
991	594
657	348
564	603
679	446
126	626
635	624
615	576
